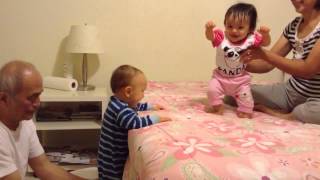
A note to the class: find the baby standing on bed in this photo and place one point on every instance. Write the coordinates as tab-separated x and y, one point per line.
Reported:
128	85
230	77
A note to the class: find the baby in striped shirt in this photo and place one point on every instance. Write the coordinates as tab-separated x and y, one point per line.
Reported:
128	85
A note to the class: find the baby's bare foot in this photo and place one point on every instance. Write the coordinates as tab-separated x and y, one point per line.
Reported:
244	115
218	109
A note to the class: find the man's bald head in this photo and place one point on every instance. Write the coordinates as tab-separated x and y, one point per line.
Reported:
11	76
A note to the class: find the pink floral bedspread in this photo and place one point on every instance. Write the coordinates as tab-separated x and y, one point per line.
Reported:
198	145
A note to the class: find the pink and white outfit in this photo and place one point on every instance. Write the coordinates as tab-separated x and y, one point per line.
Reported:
230	77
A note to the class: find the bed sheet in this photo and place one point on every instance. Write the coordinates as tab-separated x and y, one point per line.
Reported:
199	145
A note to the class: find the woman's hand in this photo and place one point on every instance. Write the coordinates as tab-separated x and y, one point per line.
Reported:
246	56
252	54
256	60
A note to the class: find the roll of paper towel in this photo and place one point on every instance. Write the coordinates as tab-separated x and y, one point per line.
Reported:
60	83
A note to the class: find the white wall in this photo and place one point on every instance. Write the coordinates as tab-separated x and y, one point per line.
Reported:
164	38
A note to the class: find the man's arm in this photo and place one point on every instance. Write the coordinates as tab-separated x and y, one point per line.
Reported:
13	176
44	169
8	168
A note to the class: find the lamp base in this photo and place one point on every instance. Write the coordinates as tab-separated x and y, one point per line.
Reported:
85	88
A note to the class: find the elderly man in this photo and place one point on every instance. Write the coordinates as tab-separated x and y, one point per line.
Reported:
20	88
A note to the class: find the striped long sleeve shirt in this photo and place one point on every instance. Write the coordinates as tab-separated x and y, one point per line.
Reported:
113	143
301	48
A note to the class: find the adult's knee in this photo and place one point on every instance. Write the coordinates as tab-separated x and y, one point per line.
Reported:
307	113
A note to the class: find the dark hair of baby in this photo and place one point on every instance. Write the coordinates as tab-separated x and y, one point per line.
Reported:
122	76
241	11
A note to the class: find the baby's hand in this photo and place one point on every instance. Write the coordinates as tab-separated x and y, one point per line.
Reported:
264	30
164	119
210	25
158	107
208	31
266	38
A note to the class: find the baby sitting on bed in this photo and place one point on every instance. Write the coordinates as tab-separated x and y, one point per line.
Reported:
128	85
230	77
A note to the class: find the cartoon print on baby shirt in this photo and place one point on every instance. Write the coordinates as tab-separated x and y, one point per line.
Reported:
228	54
232	56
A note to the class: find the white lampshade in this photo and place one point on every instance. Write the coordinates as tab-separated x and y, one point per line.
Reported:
84	39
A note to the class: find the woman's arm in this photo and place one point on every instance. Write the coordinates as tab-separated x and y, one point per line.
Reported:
257	61
276	57
302	68
259	66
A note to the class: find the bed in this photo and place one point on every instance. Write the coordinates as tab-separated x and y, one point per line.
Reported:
198	145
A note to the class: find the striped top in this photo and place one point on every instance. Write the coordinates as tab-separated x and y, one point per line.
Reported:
301	49
113	143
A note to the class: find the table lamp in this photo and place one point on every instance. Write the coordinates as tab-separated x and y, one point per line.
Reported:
84	39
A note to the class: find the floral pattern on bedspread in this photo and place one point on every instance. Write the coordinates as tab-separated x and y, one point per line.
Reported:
199	145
